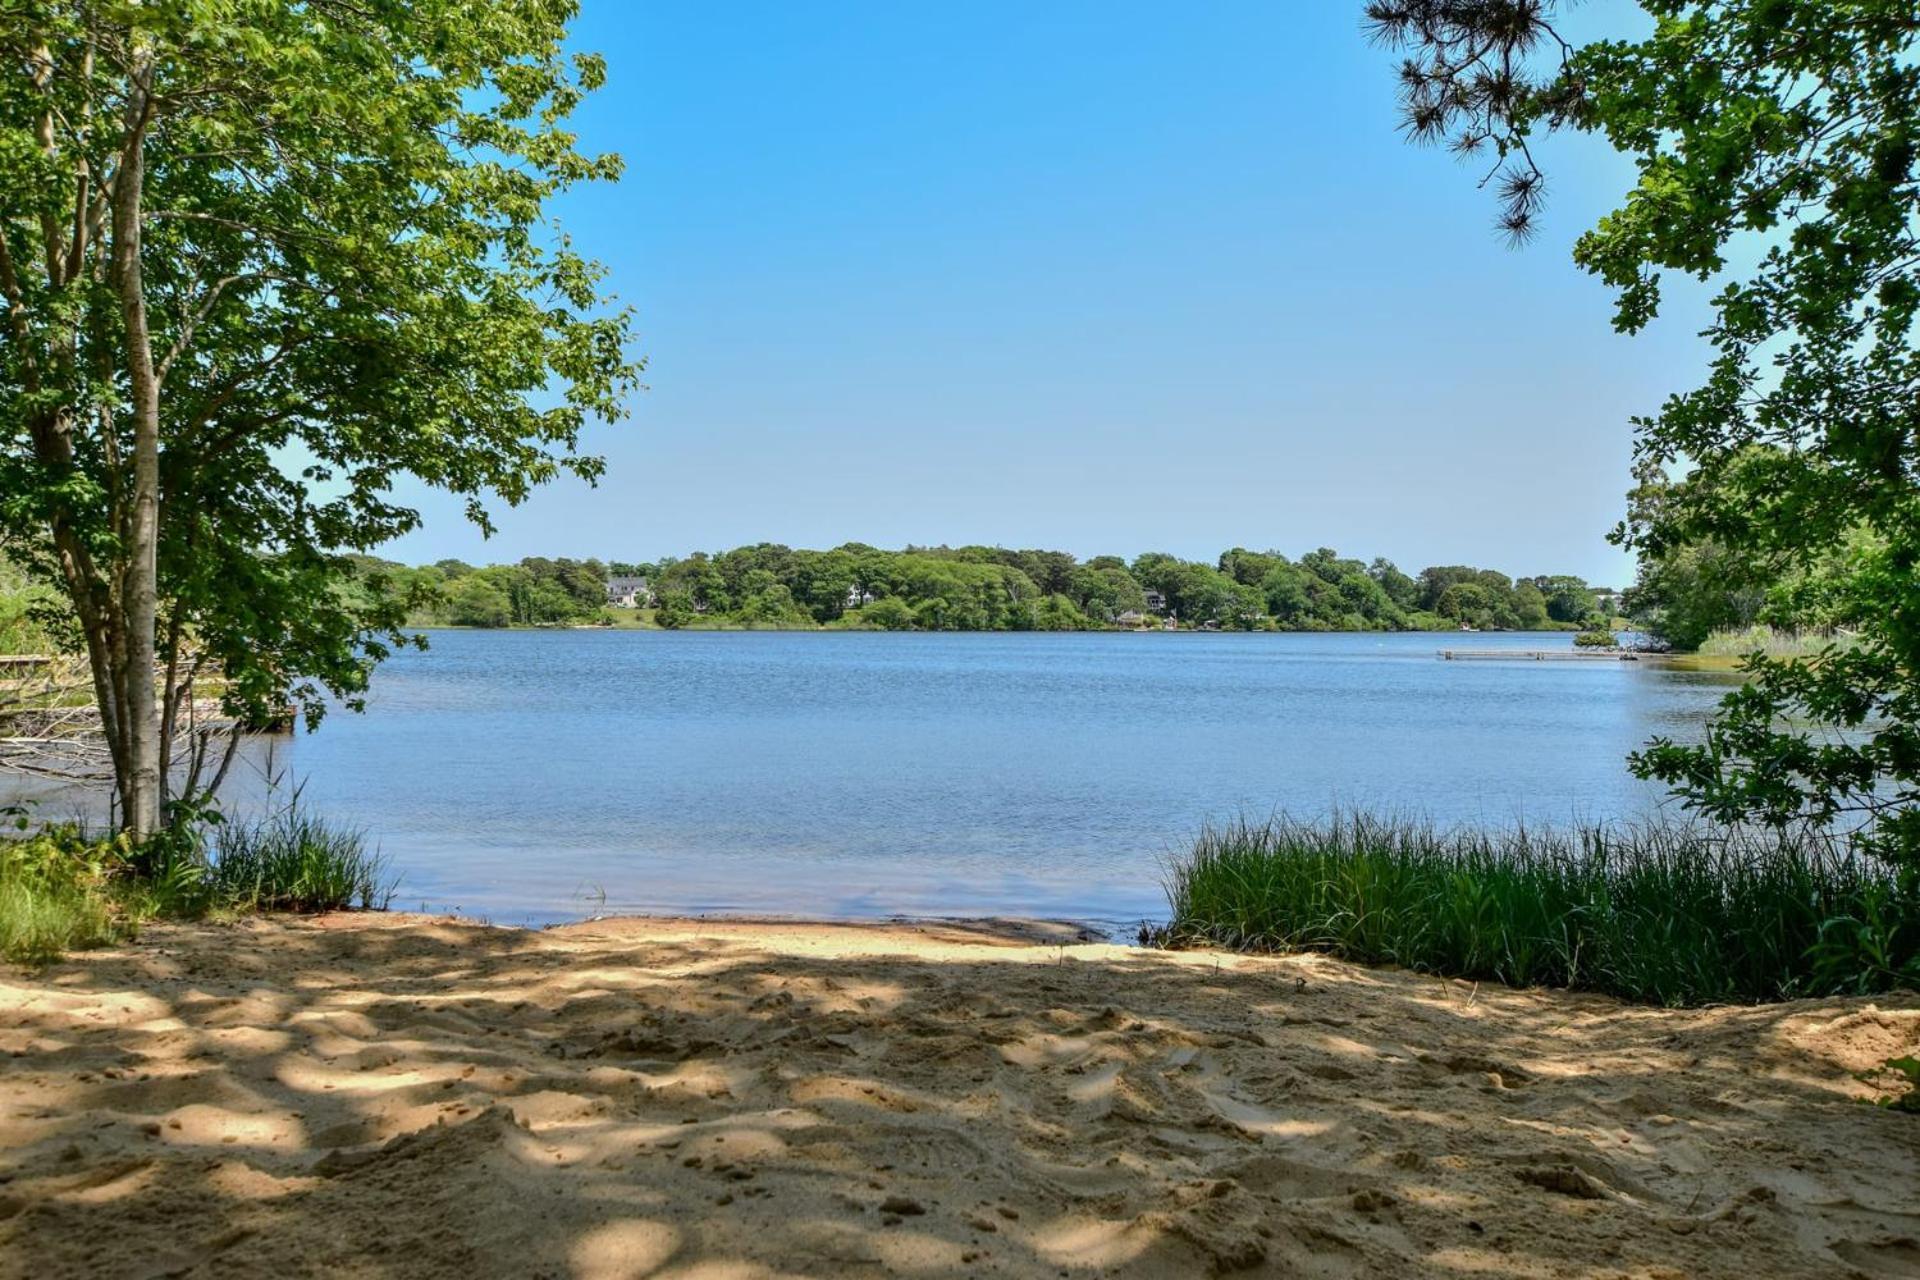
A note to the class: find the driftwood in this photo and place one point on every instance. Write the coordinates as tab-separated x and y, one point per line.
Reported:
50	727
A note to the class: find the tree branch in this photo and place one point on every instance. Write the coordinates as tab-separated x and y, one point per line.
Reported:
192	322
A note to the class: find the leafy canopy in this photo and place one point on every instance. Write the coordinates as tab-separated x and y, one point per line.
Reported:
1776	144
351	277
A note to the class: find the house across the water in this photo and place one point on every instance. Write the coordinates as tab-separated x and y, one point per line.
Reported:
625	591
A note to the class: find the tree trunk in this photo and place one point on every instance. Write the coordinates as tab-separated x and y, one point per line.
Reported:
137	588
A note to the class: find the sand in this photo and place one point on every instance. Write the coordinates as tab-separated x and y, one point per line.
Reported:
399	1096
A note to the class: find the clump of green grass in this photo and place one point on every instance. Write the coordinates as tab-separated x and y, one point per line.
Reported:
1670	915
39	925
291	860
55	896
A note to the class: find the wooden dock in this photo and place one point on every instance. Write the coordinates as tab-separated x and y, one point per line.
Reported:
1538	655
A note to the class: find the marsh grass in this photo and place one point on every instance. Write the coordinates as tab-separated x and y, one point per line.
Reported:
1670	915
1773	642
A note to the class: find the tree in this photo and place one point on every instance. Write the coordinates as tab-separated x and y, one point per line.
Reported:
1361	593
1467	604
1058	613
1530	608
1401	589
822	581
232	235
1778	150
1287	596
1569	599
675	610
890	613
21	599
1245	606
1051	572
1198	593
1248	567
1436	579
1155	571
1107	590
476	602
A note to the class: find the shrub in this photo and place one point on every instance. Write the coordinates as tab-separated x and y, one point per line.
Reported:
1596	640
1666	915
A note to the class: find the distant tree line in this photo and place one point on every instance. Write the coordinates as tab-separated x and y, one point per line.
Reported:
978	588
537	592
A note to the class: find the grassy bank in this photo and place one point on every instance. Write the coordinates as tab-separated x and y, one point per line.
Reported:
1729	650
1771	641
63	890
1665	915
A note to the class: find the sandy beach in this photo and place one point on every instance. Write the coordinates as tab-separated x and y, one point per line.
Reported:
402	1096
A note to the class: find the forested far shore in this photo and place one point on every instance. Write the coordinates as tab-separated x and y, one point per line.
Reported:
977	588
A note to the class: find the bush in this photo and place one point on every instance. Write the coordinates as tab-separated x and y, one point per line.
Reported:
1596	640
1666	915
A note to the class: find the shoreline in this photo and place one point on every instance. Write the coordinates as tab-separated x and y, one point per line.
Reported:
368	1094
986	930
963	631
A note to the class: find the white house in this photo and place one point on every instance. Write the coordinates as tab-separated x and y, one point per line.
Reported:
858	599
1156	602
625	591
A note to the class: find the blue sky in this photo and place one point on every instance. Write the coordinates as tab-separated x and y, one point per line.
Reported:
1098	276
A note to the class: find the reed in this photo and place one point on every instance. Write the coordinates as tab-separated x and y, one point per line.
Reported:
1664	914
292	860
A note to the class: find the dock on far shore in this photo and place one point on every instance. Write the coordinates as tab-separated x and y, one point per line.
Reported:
1539	655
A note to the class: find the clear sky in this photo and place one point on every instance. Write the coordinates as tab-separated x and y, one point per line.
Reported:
1100	276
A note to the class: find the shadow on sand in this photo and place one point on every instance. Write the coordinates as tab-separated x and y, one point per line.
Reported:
402	1097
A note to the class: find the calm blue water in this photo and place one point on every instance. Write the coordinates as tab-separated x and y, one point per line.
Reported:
522	775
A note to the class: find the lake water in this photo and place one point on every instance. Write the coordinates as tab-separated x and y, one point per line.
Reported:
541	775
